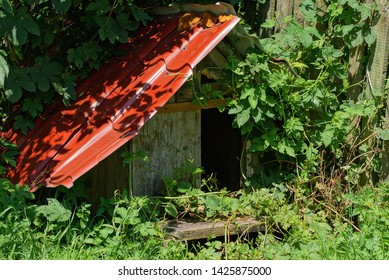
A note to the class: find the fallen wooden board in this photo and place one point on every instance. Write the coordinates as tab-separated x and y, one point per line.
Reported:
183	230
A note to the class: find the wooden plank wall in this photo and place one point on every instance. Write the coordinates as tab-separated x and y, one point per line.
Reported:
170	140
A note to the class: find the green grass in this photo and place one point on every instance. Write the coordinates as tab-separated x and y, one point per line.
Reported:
126	227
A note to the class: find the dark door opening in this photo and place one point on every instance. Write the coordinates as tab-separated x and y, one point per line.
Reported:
221	147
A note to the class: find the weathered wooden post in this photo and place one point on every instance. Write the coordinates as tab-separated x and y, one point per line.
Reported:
378	71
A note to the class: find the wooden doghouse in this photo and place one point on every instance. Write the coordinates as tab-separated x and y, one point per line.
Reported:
184	134
116	101
183	130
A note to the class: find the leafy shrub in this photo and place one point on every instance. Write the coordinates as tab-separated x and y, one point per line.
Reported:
46	46
292	101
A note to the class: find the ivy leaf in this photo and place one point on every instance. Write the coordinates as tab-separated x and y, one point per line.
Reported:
62	5
23	124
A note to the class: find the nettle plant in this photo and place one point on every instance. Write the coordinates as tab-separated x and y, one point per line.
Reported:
291	98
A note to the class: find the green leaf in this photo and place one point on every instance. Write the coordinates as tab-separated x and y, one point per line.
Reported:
358	40
33	106
365	10
101	7
235	109
305	38
171	209
48	37
253	100
105	232
139	14
269	23
369	36
67	90
335	9
346	29
213	202
6	6
26	81
313	31
18	35
123	20
327	135
243	117
287	19
54	211
23	124
293	124
247	92
257	114
284	147
43	84
13	93
309	10
384	134
62	5
4	70
31	26
290	151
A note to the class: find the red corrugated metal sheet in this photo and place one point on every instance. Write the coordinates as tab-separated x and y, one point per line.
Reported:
113	103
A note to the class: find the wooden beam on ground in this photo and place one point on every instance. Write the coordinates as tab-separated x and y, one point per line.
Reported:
182	230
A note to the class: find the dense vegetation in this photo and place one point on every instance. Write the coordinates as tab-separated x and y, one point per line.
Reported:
316	131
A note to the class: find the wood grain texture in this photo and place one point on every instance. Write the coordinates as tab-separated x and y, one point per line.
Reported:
183	230
378	68
169	140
